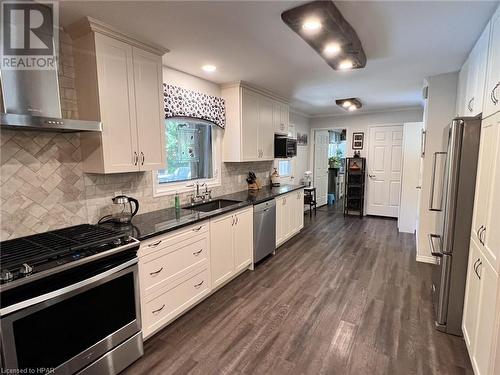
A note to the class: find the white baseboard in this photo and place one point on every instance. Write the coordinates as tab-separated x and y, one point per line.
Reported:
426	259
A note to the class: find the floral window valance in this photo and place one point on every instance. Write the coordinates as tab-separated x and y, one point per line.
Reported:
180	102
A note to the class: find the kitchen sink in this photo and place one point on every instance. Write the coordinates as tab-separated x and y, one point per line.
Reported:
212	205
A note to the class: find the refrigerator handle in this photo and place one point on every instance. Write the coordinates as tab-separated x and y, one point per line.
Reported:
431	242
433	181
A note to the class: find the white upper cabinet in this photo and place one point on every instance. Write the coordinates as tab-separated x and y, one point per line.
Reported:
472	78
252	118
492	91
148	80
119	82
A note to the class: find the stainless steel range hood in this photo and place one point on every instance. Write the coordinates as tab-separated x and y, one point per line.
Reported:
31	102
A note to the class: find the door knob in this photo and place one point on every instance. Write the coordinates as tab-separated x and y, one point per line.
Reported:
372	176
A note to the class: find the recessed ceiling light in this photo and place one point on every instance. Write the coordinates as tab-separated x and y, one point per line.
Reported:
346	104
332	49
352	108
345	65
311	24
209	68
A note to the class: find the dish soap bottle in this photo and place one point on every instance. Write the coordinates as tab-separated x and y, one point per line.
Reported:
177	201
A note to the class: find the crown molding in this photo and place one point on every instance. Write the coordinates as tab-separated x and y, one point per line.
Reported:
89	24
256	89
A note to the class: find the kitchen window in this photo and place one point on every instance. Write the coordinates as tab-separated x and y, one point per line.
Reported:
192	153
285	168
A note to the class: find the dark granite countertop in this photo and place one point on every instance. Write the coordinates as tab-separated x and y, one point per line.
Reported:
154	223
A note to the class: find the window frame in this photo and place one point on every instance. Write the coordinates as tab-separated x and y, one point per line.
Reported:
171	188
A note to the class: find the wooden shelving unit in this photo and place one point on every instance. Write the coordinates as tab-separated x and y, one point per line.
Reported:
354	196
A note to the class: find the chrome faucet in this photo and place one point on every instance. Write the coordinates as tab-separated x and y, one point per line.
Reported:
196	196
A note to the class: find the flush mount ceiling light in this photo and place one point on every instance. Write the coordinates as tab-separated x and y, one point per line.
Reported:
349	104
209	68
333	37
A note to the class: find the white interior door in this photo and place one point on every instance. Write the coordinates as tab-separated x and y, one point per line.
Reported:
320	176
408	210
384	170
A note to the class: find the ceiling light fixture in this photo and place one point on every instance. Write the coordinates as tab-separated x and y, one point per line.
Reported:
209	68
332	49
321	25
349	104
311	24
345	65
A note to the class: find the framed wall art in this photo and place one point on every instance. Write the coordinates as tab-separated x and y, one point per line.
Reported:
358	140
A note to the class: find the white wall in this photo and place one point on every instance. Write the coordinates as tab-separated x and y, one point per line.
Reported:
300	123
439	111
359	123
190	82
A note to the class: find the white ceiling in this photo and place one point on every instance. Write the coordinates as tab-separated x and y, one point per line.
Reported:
403	41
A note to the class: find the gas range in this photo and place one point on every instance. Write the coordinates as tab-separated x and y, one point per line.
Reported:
69	302
27	259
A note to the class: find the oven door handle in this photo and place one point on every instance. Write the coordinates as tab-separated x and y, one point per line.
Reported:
68	289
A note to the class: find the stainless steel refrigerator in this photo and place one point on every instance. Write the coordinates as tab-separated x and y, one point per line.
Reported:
452	197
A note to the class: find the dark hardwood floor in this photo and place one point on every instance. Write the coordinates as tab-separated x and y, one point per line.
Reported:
345	296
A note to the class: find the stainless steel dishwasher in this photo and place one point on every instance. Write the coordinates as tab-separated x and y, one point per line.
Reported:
264	229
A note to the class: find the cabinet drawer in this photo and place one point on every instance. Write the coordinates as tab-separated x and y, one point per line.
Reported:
166	304
168	264
160	242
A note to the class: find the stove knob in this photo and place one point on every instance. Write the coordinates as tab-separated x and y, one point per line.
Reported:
6	275
25	269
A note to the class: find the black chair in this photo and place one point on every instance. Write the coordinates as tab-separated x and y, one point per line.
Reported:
310	199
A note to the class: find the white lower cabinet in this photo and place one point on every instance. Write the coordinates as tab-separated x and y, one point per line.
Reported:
174	274
231	238
481	312
289	215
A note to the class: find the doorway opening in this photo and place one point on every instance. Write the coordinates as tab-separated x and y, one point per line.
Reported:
329	165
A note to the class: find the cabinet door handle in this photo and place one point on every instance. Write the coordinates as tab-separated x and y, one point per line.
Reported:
155	244
493	96
478	230
476	269
197	229
236	223
199	284
158	310
143	158
136	158
156	272
232	220
481	238
196	253
475	263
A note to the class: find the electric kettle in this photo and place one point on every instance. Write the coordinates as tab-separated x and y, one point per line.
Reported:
126	214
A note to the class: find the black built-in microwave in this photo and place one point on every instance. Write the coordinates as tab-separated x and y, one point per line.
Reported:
284	147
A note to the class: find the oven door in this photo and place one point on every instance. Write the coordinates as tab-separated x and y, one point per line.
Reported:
68	328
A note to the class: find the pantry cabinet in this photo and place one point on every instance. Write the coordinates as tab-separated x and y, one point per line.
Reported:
253	116
492	91
231	239
481	311
289	215
487	200
481	319
119	82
